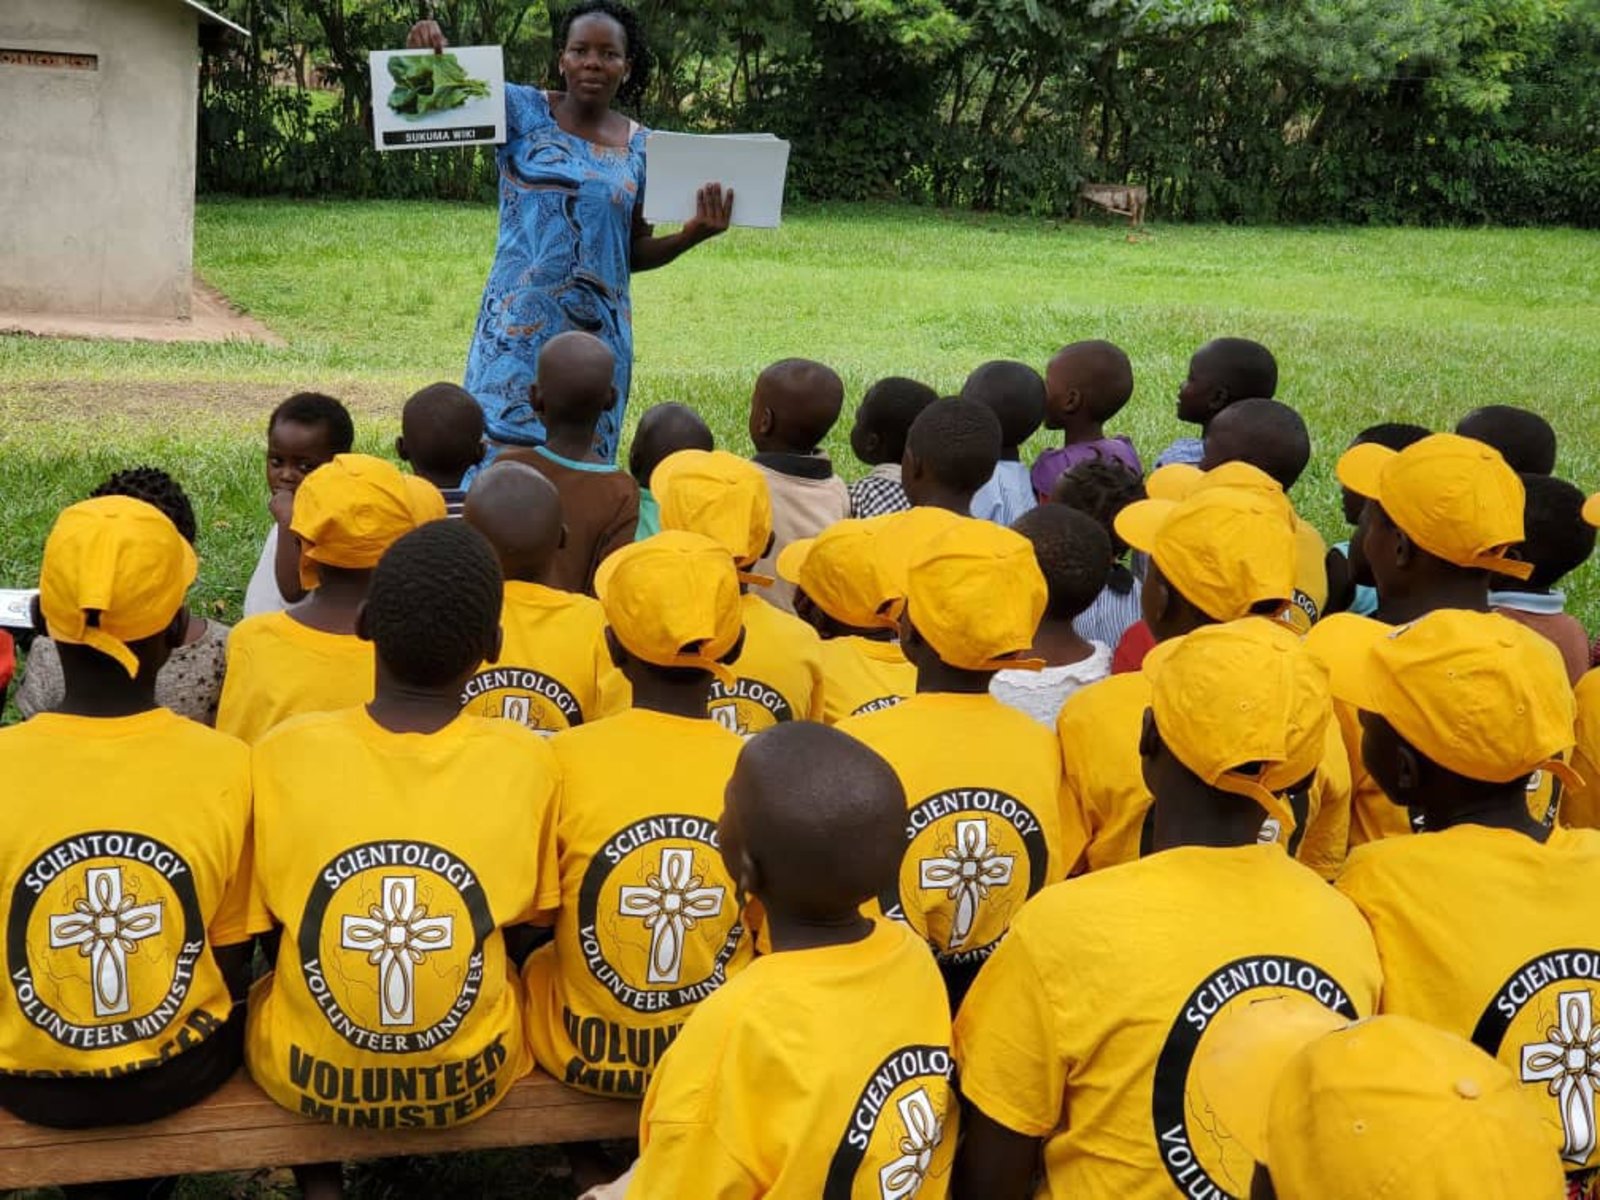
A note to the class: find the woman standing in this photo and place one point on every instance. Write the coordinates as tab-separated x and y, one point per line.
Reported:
572	228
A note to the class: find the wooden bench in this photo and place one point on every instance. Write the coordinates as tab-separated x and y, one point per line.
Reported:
239	1129
1118	199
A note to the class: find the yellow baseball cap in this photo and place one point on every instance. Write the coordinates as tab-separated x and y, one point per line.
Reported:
673	601
115	571
975	593
1454	496
901	537
720	496
841	570
1383	1109
1179	481
353	508
1476	693
1228	550
1591	509
1246	692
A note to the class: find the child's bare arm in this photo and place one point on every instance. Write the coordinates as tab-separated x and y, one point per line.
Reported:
286	567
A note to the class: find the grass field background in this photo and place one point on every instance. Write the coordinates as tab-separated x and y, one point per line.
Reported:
376	299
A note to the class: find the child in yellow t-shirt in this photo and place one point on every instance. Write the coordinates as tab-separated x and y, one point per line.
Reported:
1081	1034
982	781
842	590
309	659
778	676
649	923
395	842
553	666
824	1069
1486	923
123	846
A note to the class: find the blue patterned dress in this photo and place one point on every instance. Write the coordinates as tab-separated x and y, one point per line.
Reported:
566	229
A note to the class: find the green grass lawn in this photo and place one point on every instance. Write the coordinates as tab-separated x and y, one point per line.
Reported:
376	299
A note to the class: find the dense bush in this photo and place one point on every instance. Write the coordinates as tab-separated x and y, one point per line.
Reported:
1424	111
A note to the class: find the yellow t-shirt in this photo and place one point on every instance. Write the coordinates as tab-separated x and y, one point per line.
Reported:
1310	579
1373	816
1083	1028
649	923
779	673
1496	937
1580	807
279	668
123	861
861	676
554	670
818	1073
393	861
983	826
1105	801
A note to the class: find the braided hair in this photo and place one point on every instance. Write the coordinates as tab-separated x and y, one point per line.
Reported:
156	488
641	62
434	604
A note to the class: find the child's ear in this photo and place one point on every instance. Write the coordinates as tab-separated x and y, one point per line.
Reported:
1405	550
765	421
619	656
1220	399
732	656
562	544
361	623
1149	739
178	629
400	449
496	645
535	401
750	879
1407	770
36	617
1073	401
483	448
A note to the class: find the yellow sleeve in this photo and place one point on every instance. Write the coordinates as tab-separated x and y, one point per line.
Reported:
233	706
1077	830
1580	806
687	1159
1006	1043
819	685
243	911
1327	838
547	888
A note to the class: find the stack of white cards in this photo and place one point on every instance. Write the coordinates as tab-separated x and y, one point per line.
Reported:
678	165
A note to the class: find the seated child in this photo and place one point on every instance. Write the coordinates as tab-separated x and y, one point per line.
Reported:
1098	1075
125	945
190	680
394	842
1455	1122
649	923
309	659
1075	556
952	450
878	439
795	404
553	670
304	432
778	674
571	391
824	1069
1558	541
843	591
1085	385
1477	929
663	430
1101	490
1014	392
1525	439
982	781
1349	580
1221	372
441	436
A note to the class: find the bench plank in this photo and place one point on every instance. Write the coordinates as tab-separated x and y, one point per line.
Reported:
240	1129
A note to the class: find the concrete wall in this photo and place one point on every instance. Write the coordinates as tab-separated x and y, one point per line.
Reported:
97	167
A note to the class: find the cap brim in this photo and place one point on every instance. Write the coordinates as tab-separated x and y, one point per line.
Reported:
1243	1054
1591	509
792	559
1361	469
1139	523
1353	677
1175	481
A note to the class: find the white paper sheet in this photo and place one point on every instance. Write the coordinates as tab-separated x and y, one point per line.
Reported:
754	165
481	119
16	610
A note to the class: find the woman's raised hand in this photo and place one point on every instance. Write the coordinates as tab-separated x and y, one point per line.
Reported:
713	210
426	35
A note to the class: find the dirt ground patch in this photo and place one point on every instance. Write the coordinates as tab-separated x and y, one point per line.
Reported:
86	401
211	319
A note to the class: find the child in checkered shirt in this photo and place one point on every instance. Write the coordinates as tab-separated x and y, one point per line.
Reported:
879	440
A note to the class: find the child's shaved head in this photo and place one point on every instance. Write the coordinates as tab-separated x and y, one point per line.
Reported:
433	612
519	511
796	402
954	445
814	822
1525	439
663	431
1267	434
574	384
1094	377
1014	392
1225	371
884	417
441	433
